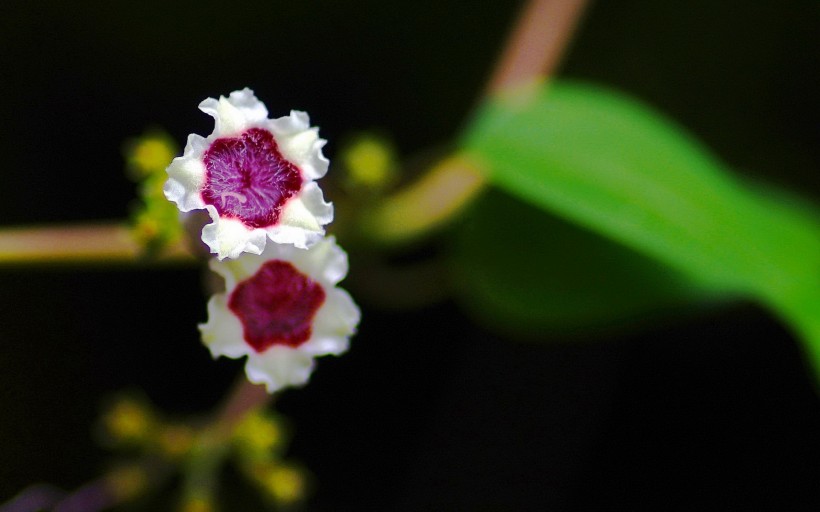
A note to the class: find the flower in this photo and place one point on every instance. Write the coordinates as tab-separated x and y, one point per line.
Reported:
281	309
255	177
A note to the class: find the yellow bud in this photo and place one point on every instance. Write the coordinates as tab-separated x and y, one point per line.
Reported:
258	432
150	154
370	163
128	420
198	504
285	484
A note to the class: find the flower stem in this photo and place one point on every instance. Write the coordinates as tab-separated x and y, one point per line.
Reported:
118	486
34	498
243	398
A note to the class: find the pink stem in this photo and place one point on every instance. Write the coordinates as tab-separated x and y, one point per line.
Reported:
537	43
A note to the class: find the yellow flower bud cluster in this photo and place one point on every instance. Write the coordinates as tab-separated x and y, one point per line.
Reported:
257	445
154	221
259	441
130	422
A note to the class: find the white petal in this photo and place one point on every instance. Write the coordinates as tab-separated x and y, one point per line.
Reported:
300	144
314	201
244	99
339	316
324	261
196	146
335	265
237	270
304	149
316	164
236	113
228	238
185	177
223	332
297	237
279	367
325	346
174	191
333	325
296	122
302	218
226	270
296	214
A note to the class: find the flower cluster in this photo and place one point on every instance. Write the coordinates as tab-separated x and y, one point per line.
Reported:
256	179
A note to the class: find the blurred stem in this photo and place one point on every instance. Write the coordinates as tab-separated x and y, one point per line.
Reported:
537	43
34	498
425	205
200	472
531	54
244	398
120	485
84	243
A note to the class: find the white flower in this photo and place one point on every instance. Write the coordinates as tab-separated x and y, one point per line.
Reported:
281	309
255	177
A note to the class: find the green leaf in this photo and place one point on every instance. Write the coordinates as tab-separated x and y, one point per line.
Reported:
546	276
613	165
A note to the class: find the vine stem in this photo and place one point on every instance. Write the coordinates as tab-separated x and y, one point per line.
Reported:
243	398
533	51
537	43
104	242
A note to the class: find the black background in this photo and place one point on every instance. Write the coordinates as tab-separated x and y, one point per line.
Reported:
427	411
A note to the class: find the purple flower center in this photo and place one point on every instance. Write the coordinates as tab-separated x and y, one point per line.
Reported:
247	178
276	306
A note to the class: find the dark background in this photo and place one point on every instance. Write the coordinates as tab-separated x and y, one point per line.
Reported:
427	411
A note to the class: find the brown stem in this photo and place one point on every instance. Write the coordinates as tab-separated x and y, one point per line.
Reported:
243	398
83	243
34	498
536	44
533	51
119	485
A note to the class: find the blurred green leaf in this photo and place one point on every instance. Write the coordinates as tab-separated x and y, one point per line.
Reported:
607	162
548	276
612	164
